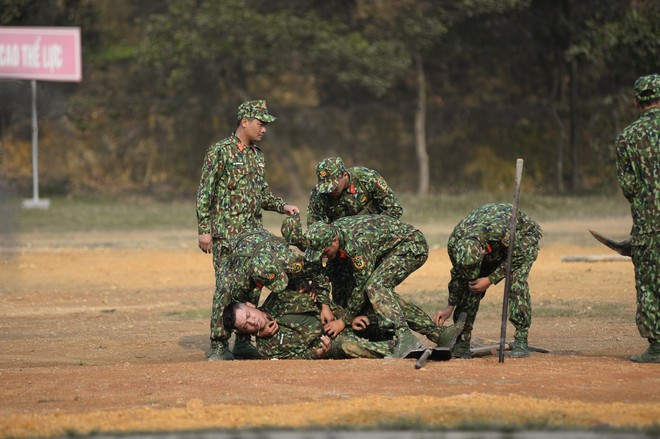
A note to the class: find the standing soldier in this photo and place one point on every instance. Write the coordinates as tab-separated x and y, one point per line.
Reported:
233	188
254	259
638	172
344	192
382	252
478	249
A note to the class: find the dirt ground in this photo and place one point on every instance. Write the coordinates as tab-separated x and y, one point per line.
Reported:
102	333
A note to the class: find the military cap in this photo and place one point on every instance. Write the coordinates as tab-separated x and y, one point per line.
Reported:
256	109
265	270
468	255
647	87
292	231
318	237
328	173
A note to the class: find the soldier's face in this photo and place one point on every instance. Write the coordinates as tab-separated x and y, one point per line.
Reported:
249	319
254	129
331	251
341	185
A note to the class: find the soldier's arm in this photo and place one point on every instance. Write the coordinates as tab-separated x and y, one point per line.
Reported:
625	170
212	170
384	196
315	209
362	270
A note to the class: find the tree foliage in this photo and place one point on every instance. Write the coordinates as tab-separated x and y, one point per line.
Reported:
476	83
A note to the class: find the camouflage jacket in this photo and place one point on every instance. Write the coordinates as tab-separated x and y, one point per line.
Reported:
299	323
364	240
489	224
638	171
367	193
233	189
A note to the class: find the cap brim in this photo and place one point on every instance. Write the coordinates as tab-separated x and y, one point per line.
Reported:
326	186
266	118
313	255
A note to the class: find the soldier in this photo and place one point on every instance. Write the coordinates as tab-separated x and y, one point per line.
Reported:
478	248
637	151
255	259
344	192
382	252
233	188
288	326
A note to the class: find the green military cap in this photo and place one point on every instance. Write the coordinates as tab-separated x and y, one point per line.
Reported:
318	237
647	87
292	231
267	271
256	109
468	255
328	173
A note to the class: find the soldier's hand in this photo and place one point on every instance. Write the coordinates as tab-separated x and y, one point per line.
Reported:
290	209
442	315
269	330
360	323
479	285
334	328
322	351
326	314
205	242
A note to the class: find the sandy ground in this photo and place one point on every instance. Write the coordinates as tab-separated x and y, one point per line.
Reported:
102	333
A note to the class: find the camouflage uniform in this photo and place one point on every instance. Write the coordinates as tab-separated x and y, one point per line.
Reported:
300	332
233	188
487	229
382	252
638	172
254	259
367	193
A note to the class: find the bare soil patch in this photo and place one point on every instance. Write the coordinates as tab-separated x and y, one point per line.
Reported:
103	333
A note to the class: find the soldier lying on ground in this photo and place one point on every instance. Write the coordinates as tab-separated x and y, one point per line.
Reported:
288	326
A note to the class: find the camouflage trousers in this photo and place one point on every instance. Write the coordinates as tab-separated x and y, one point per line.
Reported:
349	345
520	304
416	319
646	259
391	270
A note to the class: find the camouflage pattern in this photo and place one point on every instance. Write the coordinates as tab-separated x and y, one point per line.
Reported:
367	193
255	109
416	318
488	227
382	252
300	332
232	192
637	152
250	260
328	173
647	87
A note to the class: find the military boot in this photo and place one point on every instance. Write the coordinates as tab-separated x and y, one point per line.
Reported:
405	341
244	349
519	348
449	334
461	349
219	351
651	355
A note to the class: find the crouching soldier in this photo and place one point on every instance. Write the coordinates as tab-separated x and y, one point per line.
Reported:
256	259
478	249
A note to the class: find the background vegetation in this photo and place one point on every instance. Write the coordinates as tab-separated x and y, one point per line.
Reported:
440	96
